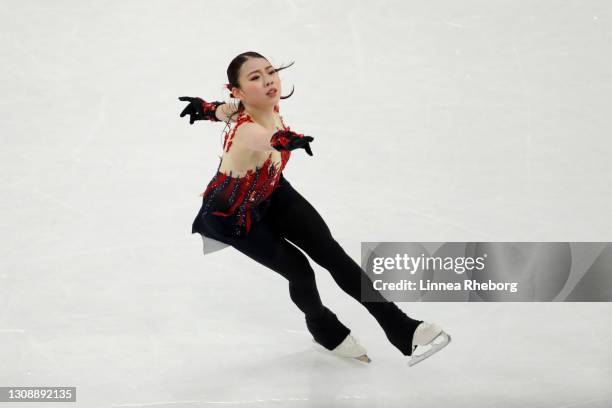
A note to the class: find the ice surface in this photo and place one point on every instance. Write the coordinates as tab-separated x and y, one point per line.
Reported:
433	121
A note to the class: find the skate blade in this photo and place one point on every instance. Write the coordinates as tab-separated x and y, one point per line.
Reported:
435	347
363	358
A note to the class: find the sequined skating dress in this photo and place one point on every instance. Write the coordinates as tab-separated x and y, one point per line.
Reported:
239	201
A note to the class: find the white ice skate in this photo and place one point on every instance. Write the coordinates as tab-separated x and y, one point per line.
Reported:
429	337
351	348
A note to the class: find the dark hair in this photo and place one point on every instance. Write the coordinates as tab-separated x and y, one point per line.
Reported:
232	75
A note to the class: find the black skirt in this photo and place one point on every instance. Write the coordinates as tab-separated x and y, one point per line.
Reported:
217	227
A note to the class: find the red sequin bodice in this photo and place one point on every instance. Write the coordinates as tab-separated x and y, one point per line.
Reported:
242	199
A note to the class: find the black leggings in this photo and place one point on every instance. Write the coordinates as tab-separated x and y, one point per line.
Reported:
291	217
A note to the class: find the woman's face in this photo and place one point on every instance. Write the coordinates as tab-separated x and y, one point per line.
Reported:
257	77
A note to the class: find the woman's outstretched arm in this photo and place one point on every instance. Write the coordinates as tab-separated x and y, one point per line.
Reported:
226	111
256	137
199	109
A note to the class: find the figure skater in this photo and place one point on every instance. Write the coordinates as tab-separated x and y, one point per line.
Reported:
252	207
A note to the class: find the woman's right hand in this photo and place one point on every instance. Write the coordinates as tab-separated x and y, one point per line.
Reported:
199	109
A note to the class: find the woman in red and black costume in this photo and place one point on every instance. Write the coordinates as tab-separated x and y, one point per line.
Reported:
251	206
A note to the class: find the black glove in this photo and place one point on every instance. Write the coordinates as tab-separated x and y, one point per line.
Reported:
199	109
290	140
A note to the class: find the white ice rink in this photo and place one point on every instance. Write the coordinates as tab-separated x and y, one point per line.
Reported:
433	121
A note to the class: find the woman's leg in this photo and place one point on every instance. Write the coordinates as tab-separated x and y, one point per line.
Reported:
264	245
300	223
